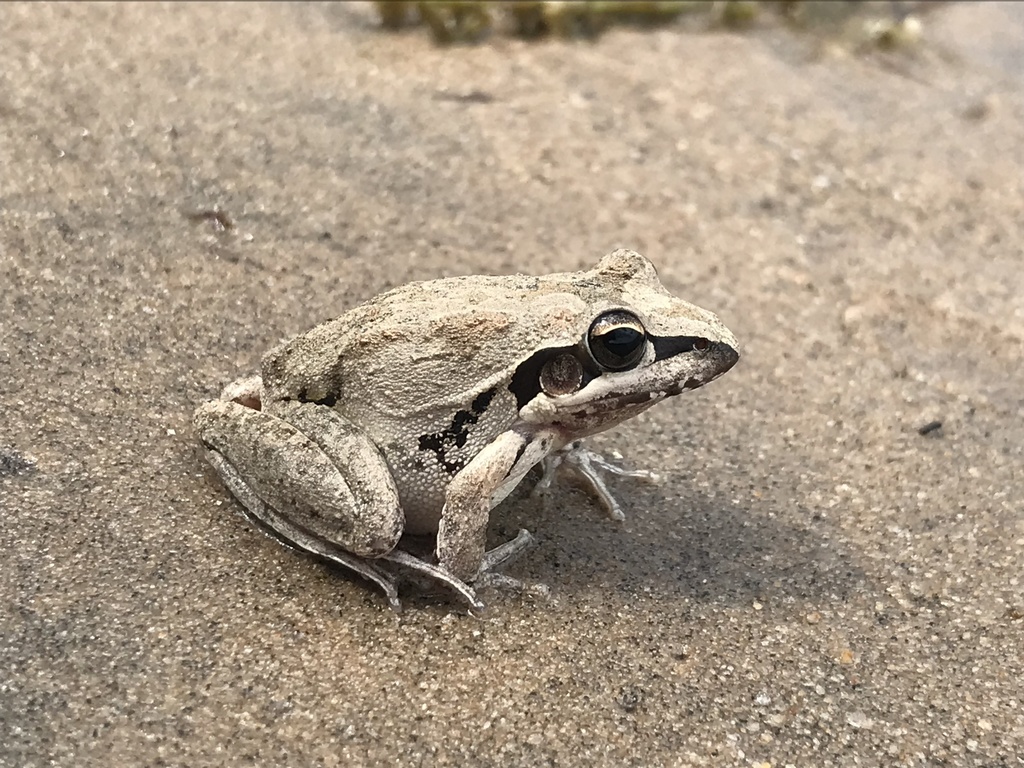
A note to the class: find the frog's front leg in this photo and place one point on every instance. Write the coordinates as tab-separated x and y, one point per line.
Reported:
478	488
311	477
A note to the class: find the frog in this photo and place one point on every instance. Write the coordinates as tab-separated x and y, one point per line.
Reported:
419	411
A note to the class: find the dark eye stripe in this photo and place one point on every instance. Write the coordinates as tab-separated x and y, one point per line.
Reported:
670	346
525	384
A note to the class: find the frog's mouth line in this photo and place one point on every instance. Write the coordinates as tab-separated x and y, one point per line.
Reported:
618	405
712	364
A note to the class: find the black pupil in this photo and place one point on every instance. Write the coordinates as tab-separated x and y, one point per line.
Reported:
621	342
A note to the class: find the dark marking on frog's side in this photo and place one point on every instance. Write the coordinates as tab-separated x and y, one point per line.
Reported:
329	399
457	433
436	443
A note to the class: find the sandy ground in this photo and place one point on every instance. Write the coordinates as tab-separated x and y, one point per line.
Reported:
814	582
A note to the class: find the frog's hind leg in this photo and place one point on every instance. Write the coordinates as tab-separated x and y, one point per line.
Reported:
310	476
434	573
295	536
488	576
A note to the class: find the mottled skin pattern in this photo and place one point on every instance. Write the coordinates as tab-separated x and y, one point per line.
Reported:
421	409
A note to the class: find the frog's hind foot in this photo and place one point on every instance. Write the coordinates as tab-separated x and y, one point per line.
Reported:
435	573
488	577
374	570
510	584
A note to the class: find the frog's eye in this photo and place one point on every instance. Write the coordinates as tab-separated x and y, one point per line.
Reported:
617	340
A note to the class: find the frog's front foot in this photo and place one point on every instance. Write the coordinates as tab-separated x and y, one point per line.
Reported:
588	467
487	577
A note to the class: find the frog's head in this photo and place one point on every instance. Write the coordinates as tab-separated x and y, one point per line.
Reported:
635	344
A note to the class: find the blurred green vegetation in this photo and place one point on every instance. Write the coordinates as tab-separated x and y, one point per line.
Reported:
888	24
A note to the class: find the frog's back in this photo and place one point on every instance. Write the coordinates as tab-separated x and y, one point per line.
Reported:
425	345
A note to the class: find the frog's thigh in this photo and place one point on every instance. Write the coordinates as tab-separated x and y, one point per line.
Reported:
313	468
488	478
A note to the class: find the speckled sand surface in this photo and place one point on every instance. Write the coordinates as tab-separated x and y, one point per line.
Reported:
813	583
